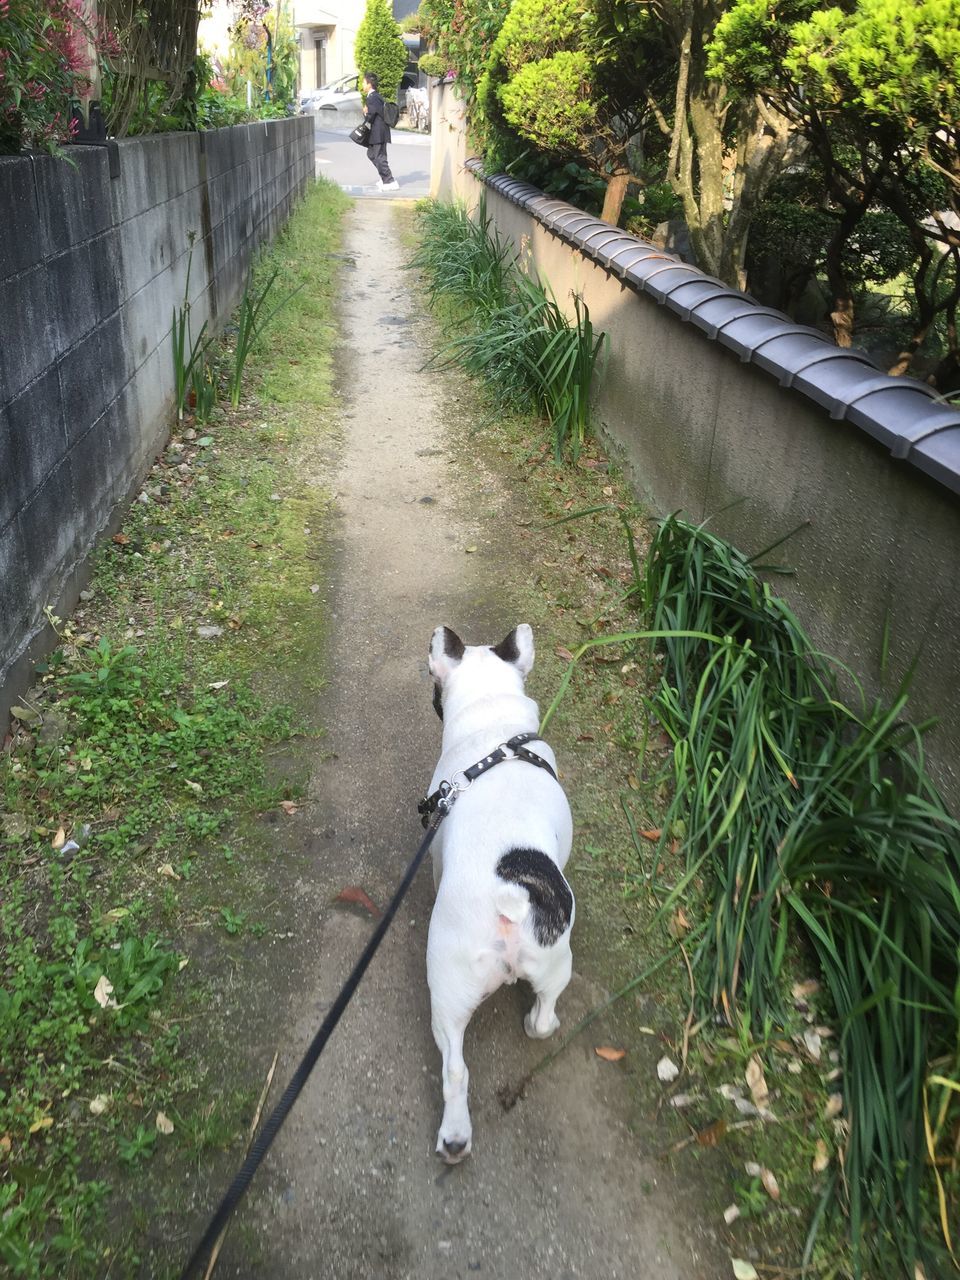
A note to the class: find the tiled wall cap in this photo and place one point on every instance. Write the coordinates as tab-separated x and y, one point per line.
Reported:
789	350
753	325
833	377
631	255
599	238
661	280
689	295
897	412
939	457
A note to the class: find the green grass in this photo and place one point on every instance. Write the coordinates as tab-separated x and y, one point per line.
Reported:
142	756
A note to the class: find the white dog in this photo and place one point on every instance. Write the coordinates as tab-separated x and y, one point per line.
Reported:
503	909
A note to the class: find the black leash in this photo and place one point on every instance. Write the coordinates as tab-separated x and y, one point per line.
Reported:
293	1090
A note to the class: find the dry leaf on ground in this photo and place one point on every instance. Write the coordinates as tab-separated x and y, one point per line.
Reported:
743	1270
711	1135
770	1184
834	1106
757	1082
164	1125
354	896
821	1156
103	993
667	1071
609	1054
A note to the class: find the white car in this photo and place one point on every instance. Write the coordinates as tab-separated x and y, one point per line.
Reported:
336	94
343	95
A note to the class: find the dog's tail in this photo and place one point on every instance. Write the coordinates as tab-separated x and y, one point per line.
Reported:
513	902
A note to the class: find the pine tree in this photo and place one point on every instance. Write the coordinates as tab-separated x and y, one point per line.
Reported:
379	48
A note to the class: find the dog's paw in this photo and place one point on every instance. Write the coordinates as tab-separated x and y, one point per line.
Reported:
536	1032
453	1150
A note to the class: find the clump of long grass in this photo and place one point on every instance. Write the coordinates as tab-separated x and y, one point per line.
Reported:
807	817
519	339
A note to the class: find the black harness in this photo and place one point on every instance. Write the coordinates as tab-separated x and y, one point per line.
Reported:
513	749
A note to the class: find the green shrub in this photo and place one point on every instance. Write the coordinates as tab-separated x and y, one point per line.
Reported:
379	48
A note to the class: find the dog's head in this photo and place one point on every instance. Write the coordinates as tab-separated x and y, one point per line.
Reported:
494	668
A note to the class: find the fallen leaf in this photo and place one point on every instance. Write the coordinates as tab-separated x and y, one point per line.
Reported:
803	990
667	1071
41	1122
288	807
120	539
834	1106
59	840
103	993
609	1054
26	714
743	1270
731	1214
195	787
585	737
355	896
164	1125
679	925
652	834
711	1135
99	1104
770	1184
821	1157
811	1041
563	653
218	684
166	869
752	1169
681	1100
756	1082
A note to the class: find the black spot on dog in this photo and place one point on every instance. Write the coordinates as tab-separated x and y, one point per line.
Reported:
551	902
507	650
437	703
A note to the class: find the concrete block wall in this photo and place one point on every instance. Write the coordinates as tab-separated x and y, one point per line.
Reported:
93	263
728	412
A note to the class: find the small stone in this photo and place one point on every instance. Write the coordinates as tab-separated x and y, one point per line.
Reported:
209	633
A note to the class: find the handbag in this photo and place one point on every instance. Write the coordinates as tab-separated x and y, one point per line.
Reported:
361	134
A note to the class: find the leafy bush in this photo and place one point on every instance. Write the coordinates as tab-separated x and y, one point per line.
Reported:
43	68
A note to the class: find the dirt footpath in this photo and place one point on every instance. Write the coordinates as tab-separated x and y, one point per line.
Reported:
556	1187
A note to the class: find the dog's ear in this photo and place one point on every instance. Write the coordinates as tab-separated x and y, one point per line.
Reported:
517	648
446	651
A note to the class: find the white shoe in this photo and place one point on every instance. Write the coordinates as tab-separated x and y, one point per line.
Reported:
379	184
390	186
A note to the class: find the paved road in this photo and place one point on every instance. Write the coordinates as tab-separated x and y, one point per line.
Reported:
343	162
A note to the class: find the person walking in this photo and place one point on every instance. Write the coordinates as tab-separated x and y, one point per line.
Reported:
379	133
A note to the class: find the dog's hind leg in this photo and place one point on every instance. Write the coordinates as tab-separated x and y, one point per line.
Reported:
549	981
456	1133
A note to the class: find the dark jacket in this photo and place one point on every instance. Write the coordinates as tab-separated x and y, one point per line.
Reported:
379	129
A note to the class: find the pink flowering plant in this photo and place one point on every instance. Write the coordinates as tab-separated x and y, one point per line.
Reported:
45	52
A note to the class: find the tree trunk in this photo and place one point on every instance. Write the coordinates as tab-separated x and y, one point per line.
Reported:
614	197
